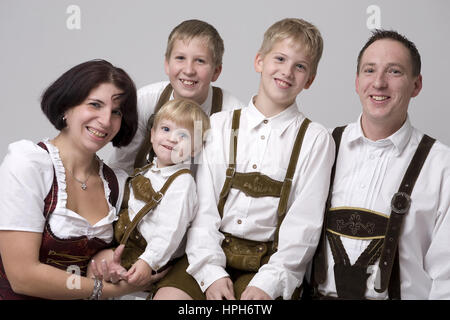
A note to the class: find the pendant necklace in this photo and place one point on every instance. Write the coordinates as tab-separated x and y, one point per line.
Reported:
83	183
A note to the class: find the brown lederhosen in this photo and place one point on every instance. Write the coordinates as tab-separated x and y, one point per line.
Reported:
253	184
125	231
62	253
382	230
145	150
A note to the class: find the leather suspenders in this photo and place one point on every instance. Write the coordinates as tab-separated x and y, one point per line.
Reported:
385	246
146	146
266	185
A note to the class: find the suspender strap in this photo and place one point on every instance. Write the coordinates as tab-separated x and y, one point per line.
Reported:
231	163
287	184
144	150
217	100
156	198
319	273
400	204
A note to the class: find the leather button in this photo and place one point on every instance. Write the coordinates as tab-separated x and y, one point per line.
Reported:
254	166
266	121
202	283
239	221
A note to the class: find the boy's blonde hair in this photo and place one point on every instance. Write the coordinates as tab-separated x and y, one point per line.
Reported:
298	30
183	112
189	29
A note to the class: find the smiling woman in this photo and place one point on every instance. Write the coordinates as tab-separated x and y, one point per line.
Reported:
60	199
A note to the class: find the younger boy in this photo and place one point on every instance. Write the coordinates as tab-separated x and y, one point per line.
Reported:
193	60
265	204
160	199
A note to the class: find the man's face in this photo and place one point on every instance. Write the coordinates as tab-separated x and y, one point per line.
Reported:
385	83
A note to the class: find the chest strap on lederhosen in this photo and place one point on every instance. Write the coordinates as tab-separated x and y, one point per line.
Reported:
319	273
385	233
256	184
145	149
151	198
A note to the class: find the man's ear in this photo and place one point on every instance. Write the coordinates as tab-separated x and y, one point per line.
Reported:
417	86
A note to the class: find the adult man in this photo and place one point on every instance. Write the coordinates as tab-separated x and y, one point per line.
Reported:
387	227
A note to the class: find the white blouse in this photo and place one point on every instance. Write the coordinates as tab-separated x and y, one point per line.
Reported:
368	173
164	227
26	177
264	145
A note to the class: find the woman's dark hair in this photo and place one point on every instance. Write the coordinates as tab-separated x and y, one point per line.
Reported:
74	86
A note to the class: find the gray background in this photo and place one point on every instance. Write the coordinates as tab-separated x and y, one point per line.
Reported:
36	46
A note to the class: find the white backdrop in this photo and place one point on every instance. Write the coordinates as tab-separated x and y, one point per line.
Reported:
39	40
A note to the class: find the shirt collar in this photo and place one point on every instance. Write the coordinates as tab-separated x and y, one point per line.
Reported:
278	123
207	105
399	139
169	170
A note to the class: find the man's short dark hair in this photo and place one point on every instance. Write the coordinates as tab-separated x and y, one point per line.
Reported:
379	34
74	86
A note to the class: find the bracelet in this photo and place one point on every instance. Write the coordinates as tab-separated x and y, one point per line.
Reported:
98	290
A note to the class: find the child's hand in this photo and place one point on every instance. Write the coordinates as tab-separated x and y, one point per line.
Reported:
140	273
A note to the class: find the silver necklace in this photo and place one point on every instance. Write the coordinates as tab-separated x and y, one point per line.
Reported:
83	183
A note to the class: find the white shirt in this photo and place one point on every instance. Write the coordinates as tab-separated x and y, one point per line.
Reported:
26	177
165	226
368	174
264	145
148	97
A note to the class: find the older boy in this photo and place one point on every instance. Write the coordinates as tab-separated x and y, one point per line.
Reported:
193	60
250	183
388	226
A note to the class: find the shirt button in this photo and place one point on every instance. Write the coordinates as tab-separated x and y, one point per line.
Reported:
263	137
254	166
363	185
239	221
371	157
202	283
266	121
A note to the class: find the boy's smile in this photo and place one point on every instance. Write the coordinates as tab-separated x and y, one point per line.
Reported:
191	69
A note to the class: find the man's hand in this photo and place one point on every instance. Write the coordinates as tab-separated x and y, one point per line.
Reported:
220	289
254	293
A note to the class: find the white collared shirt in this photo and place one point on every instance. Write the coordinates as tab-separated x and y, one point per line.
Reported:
164	227
148	97
368	173
26	177
264	145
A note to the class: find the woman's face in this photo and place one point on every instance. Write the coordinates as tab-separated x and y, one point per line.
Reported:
96	121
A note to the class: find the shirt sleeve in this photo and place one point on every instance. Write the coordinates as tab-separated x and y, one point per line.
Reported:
205	255
165	228
301	228
26	176
436	261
